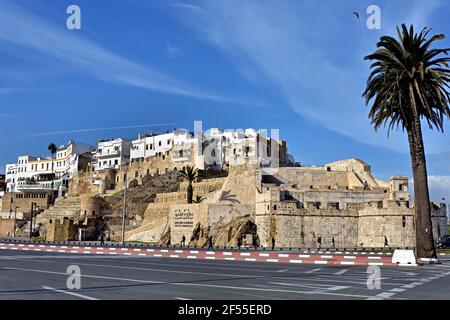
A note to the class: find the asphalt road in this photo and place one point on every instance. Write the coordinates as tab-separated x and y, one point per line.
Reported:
41	275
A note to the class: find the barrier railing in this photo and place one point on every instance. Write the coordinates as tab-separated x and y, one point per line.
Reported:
205	247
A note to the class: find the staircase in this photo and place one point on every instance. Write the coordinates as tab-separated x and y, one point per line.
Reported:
65	207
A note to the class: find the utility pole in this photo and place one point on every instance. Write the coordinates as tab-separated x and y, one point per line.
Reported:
31	220
124	203
15	217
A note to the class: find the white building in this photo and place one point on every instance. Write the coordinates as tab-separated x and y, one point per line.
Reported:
11	177
214	148
111	154
32	174
150	145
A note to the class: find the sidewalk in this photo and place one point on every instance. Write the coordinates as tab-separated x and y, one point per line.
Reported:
280	256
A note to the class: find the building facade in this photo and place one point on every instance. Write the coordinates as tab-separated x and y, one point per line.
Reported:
111	154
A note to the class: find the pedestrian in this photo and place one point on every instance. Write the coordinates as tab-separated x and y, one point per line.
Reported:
332	241
273	243
102	239
386	244
183	241
239	242
319	241
210	243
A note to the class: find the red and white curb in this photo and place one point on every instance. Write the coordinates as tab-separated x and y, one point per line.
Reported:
295	258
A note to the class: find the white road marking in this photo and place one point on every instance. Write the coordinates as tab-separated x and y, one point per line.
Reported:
313	270
398	290
69	293
331	288
340	272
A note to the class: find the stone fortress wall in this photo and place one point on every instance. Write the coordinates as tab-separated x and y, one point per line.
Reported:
295	205
299	205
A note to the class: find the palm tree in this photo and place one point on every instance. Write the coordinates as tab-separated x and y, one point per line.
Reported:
198	199
189	174
52	148
408	83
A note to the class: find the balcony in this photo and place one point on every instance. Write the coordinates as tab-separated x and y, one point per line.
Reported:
115	153
38	186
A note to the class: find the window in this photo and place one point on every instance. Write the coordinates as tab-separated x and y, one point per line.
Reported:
146	147
159	144
168	141
116	162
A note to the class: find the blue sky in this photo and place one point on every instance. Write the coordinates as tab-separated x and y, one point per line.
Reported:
148	64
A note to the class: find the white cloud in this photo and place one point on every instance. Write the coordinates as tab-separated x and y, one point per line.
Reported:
439	188
51	133
21	28
299	47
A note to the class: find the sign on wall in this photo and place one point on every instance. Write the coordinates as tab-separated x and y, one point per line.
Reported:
183	219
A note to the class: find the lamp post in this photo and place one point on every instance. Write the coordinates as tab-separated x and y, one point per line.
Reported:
31	220
15	217
124	203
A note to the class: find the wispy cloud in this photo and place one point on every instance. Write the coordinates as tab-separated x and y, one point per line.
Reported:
312	51
52	133
22	28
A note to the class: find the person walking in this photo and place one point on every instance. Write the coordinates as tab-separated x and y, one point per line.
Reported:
273	243
210	243
102	240
183	241
239	243
332	241
319	241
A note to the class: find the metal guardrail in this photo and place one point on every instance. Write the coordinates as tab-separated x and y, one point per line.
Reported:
242	248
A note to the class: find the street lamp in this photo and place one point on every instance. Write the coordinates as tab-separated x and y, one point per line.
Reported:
31	220
124	203
15	217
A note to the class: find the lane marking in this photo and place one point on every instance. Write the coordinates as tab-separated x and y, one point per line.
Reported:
341	272
69	293
331	288
313	270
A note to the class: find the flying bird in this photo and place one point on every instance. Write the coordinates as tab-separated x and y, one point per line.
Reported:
356	14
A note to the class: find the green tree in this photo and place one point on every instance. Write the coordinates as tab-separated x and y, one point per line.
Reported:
52	148
408	83
189	174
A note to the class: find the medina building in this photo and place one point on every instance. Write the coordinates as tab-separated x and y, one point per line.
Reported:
42	179
111	154
215	149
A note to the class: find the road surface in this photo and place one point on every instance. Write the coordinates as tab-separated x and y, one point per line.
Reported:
42	275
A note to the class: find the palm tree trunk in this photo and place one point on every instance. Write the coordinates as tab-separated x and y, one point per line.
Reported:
190	192
424	232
